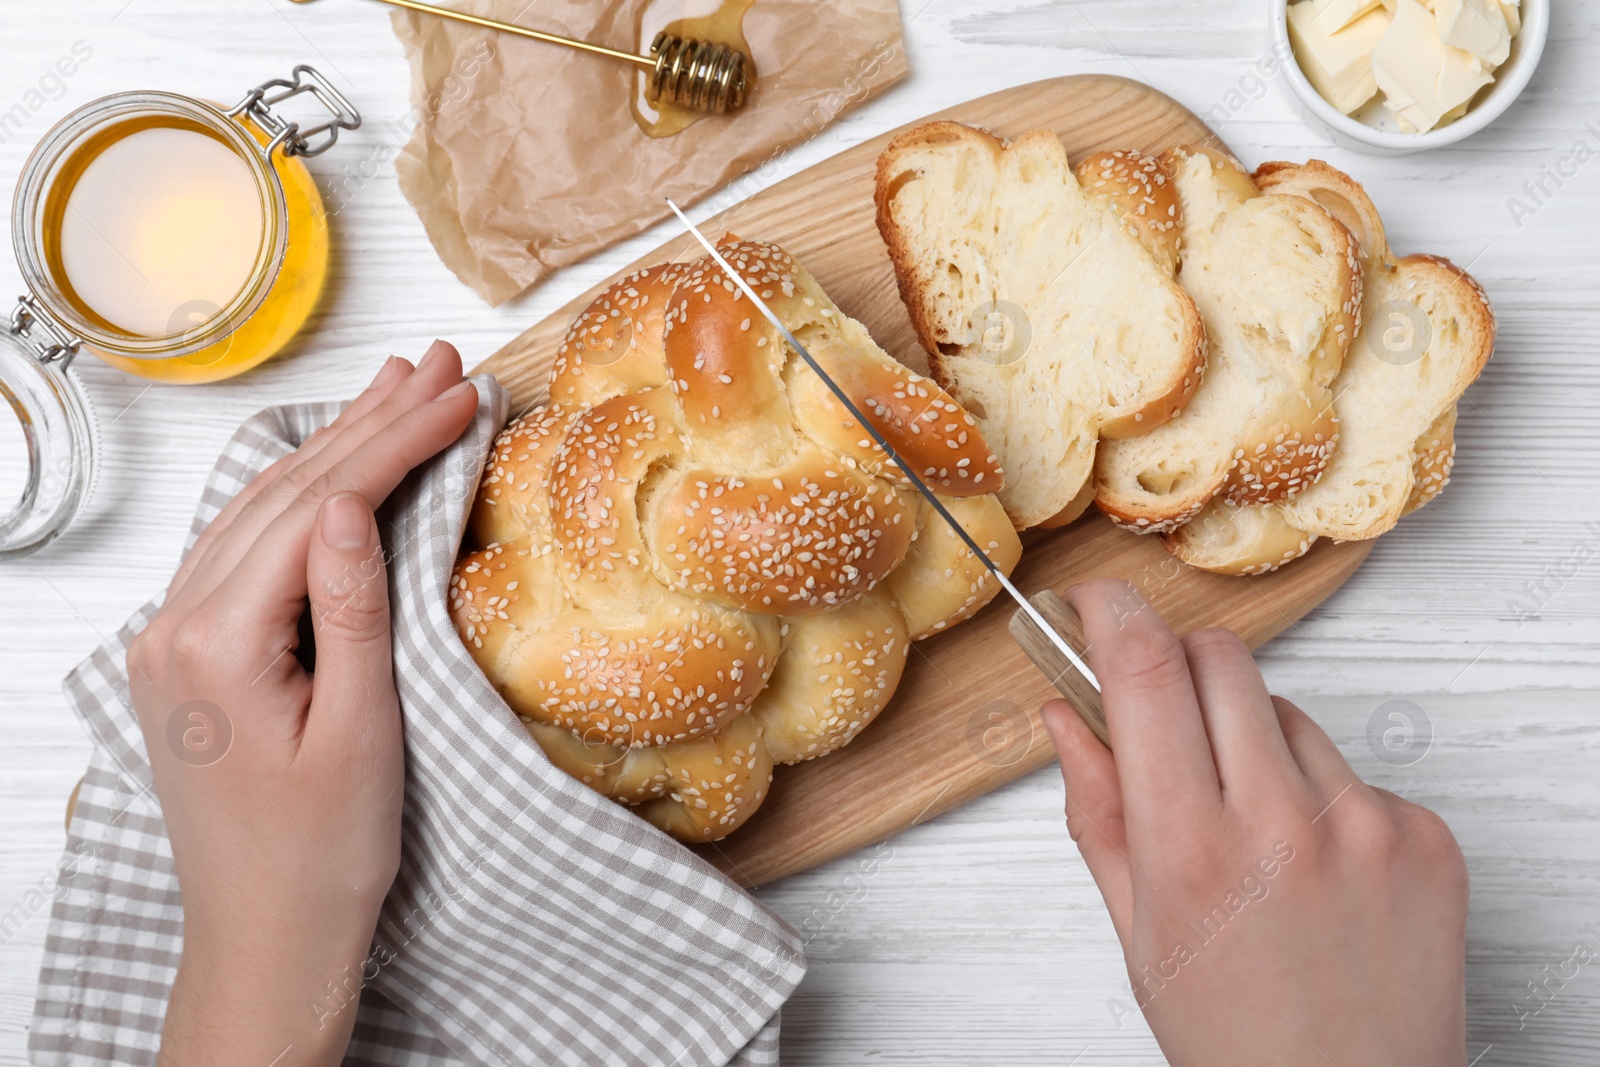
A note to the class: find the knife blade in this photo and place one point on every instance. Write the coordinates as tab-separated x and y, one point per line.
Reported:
1040	637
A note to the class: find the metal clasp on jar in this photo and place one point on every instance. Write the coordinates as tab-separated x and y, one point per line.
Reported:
55	345
258	102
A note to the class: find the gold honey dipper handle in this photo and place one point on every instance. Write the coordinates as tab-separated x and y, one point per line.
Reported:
699	75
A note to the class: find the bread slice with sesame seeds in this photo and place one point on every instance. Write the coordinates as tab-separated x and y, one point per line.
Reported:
1278	283
1044	298
1426	333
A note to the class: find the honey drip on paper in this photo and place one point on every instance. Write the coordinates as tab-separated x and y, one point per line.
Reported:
718	21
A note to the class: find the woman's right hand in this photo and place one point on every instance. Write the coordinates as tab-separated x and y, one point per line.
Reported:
1272	907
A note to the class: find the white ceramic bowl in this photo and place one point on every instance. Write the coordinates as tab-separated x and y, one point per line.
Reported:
1373	129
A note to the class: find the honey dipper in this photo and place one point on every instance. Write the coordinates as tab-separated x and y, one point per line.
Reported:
699	75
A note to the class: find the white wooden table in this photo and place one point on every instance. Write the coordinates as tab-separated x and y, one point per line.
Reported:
979	938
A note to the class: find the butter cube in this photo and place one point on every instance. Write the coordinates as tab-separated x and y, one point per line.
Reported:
1511	10
1331	16
1476	26
1338	63
1423	79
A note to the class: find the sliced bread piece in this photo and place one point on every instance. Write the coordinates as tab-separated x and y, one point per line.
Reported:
1047	307
1278	283
1427	332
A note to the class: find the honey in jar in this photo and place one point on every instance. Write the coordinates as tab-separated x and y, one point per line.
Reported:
173	239
162	223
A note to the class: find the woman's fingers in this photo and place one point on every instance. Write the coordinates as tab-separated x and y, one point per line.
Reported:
1318	757
394	371
324	465
1094	809
266	590
1162	752
1247	743
354	681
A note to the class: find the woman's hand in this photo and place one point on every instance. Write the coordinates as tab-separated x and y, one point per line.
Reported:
1272	908
282	789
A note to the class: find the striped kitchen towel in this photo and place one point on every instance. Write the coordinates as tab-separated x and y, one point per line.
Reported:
533	921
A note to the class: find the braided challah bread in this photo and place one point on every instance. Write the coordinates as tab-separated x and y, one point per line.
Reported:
694	562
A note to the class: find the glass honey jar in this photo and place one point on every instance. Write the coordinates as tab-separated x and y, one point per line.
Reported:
173	238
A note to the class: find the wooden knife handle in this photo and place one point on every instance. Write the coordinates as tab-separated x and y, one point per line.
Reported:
1056	667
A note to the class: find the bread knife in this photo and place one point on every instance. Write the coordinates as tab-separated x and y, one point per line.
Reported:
1045	627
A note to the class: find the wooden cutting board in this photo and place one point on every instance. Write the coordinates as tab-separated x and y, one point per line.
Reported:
964	720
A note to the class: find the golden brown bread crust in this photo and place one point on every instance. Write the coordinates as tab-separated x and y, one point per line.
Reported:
1238	540
614	346
860	649
608	452
724	360
929	430
711	784
806	540
682	670
1132	515
1138	189
725	354
941	581
1287	452
511	498
1436	455
689	569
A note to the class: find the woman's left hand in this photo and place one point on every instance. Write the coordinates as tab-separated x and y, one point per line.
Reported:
282	788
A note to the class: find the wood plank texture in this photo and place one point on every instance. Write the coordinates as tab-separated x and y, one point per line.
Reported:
964	720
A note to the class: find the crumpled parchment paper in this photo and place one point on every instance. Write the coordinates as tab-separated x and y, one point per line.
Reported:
525	156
